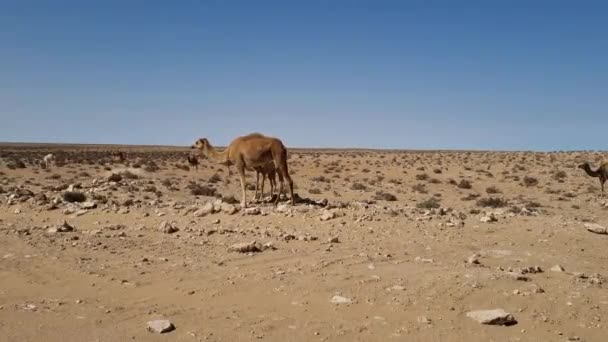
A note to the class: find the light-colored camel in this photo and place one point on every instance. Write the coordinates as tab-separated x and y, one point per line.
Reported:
48	159
601	172
251	152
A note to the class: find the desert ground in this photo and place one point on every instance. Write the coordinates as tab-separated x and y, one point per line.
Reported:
381	246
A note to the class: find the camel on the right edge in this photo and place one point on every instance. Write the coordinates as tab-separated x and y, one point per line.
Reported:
601	172
251	152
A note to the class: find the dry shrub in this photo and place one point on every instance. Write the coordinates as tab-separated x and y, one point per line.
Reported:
358	186
421	188
465	184
422	177
384	196
431	203
74	196
321	179
215	178
530	181
492	202
493	190
201	190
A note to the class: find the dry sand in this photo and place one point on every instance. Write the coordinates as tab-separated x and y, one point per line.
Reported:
374	270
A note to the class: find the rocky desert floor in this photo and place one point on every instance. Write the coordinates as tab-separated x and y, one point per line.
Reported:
381	246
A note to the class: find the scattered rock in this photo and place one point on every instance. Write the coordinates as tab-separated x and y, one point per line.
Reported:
88	205
167	228
423	320
327	215
340	300
61	228
492	317
160	326
558	268
596	228
488	218
473	259
246	247
205	210
253	211
228	208
334	239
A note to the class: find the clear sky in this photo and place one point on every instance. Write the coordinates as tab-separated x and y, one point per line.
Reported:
486	74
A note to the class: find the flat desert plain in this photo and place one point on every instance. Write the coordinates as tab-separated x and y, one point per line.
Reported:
381	246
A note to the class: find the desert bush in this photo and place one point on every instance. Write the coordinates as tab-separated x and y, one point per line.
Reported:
84	174
394	181
421	188
452	182
492	202
437	171
431	203
434	181
215	178
422	177
470	197
99	198
530	181
128	175
493	190
321	179
560	175
465	184
315	191
166	182
115	177
74	196
201	190
384	196
128	202
358	186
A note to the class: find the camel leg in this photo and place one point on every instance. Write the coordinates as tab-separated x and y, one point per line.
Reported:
263	183
602	181
257	181
241	169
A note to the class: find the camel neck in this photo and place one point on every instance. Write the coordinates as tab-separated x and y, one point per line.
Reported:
212	153
590	172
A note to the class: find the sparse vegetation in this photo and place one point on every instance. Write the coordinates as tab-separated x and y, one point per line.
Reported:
74	196
492	202
493	190
465	184
431	203
530	181
358	186
384	196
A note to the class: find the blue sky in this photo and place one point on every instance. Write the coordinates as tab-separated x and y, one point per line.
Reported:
382	74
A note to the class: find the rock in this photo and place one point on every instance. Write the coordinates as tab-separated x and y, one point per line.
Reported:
228	208
557	268
424	320
327	215
246	247
160	326
492	317
282	208
167	228
334	239
340	300
61	228
596	228
473	259
518	276
17	211
205	210
88	205
123	211
488	218
253	211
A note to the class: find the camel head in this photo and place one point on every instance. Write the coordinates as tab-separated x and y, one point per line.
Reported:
584	166
201	144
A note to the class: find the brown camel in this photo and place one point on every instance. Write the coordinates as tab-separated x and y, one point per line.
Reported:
601	172
193	161
267	171
251	152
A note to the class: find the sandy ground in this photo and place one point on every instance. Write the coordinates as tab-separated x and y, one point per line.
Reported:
400	266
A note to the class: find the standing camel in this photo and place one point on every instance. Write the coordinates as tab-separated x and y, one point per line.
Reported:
601	172
193	161
267	171
48	159
251	152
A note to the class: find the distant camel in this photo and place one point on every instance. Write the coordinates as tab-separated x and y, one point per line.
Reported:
601	172
48	159
193	161
121	156
251	152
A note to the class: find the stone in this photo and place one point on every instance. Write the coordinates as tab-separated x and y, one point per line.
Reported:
557	268
473	259
424	320
488	218
160	326
340	300
334	239
327	215
88	205
205	210
246	247
253	211
596	228
492	317
167	228
228	208
61	228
